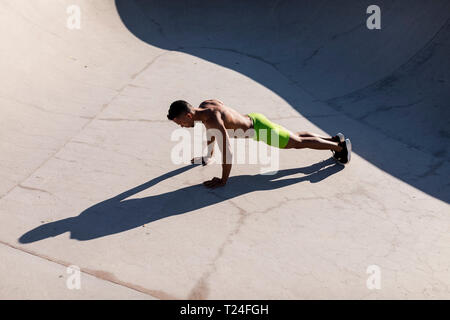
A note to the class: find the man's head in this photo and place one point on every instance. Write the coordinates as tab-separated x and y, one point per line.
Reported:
181	112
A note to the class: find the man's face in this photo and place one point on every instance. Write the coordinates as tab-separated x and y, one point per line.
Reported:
184	120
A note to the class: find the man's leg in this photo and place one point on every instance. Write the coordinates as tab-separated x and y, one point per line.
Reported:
305	134
312	142
288	140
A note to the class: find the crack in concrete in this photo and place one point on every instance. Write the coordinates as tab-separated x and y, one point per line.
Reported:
200	290
101	275
310	57
91	119
34	189
66	160
388	108
272	64
417	54
27	104
153	293
343	33
148	65
258	58
34	25
433	168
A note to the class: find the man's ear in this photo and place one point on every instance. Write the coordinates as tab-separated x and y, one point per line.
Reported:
189	115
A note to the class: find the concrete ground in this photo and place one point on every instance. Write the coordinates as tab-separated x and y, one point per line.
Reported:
86	177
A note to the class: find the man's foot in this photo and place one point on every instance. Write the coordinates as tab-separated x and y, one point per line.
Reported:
339	138
345	155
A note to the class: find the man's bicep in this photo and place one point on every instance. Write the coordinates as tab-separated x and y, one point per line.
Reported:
224	144
220	126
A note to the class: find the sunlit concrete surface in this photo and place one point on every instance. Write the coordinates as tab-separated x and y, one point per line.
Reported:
86	176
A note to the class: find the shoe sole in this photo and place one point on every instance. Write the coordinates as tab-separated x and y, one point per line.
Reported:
348	145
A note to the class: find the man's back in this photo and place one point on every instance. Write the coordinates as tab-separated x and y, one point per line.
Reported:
230	117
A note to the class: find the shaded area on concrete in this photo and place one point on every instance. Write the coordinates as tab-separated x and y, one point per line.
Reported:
116	215
393	82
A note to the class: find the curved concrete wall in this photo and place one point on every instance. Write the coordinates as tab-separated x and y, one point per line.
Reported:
393	81
85	171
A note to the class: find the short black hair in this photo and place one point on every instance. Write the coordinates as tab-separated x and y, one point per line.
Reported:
178	107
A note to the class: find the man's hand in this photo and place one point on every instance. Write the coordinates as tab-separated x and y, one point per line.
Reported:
214	182
203	160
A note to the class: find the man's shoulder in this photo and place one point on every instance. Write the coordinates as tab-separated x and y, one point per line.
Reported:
213	102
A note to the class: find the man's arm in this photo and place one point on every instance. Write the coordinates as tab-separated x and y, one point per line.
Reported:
210	141
225	149
208	159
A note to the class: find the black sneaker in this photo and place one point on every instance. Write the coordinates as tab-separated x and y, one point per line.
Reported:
345	155
339	138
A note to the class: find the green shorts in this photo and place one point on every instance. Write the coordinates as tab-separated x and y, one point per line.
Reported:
271	133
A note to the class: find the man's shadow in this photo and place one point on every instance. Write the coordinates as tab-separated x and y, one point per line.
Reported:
117	214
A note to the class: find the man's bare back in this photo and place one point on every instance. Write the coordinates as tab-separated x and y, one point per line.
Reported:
232	120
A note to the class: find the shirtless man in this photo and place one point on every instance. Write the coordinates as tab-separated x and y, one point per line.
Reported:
215	115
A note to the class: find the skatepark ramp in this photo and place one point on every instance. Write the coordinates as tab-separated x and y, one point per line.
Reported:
85	171
394	81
